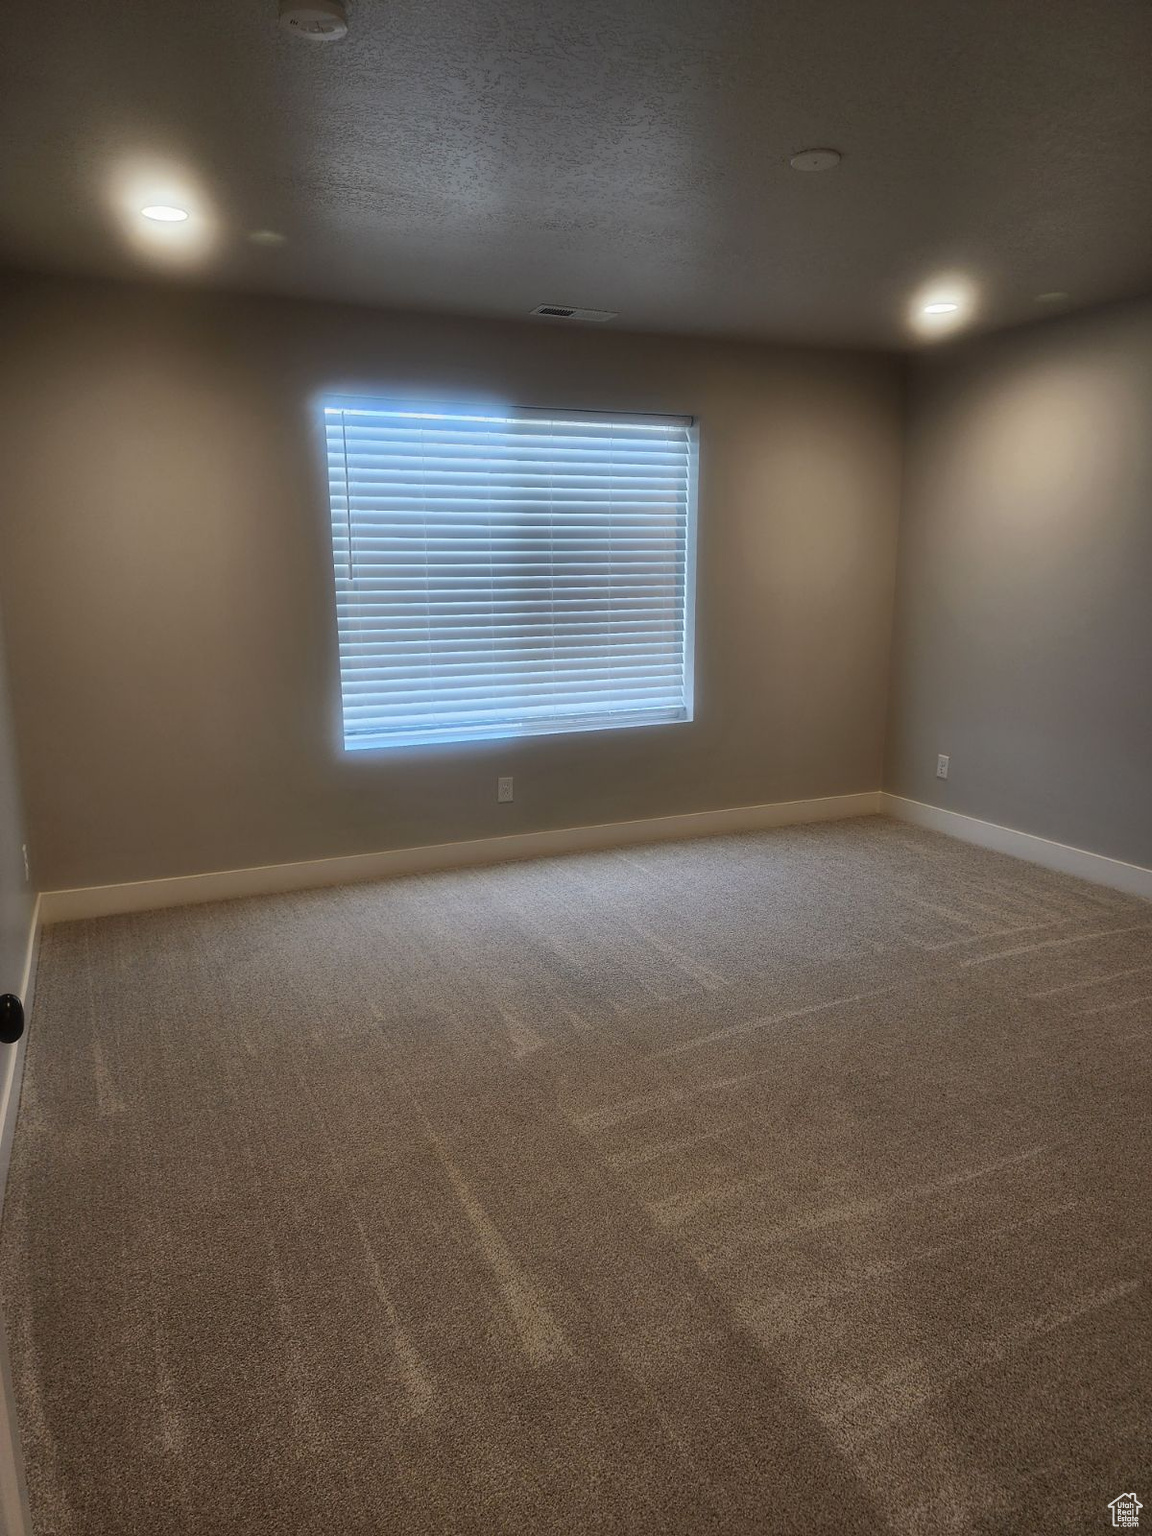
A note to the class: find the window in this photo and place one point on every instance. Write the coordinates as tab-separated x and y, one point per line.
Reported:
508	574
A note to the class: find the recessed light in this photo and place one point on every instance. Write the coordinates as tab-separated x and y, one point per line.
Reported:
163	210
942	306
267	237
164	213
815	160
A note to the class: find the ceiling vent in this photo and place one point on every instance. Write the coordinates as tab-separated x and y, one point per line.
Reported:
562	312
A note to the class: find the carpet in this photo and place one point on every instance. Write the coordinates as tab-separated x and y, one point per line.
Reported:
788	1182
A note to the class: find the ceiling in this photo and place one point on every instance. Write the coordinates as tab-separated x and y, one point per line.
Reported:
487	156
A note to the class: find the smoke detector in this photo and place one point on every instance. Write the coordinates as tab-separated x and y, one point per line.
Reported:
564	312
320	21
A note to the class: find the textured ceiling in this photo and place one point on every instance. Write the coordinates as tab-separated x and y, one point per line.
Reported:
632	155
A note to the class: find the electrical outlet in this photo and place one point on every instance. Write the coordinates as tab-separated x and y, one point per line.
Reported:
504	790
27	869
942	766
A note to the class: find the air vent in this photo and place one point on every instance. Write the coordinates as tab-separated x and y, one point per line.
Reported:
562	312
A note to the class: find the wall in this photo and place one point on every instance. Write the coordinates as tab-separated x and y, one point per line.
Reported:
168	578
1023	635
15	893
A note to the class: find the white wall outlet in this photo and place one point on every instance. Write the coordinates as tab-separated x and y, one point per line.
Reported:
27	867
504	790
942	766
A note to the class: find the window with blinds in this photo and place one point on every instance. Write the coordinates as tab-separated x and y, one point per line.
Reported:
509	573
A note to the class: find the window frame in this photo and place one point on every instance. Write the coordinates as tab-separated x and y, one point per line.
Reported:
545	726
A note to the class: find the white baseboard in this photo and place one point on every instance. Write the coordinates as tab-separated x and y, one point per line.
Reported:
223	885
15	1515
1133	879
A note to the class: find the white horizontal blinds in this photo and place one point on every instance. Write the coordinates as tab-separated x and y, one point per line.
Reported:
507	574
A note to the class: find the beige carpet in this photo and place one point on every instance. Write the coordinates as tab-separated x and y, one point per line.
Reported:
783	1183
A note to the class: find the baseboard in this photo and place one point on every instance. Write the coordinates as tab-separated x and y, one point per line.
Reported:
269	879
15	1515
1133	879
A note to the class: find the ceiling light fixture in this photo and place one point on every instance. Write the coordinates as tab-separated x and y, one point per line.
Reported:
942	306
162	210
815	160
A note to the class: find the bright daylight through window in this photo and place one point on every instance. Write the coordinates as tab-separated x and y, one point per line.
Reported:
508	573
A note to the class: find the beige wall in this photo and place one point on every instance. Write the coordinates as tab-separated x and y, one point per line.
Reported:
1023	643
15	894
167	578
